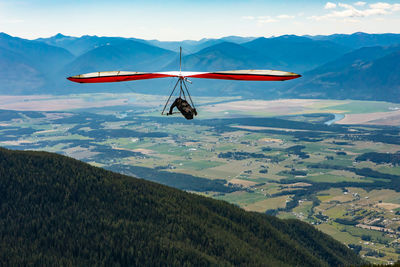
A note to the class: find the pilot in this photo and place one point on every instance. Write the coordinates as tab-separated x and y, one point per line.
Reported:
184	107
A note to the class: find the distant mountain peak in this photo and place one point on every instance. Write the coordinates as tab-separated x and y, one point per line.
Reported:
60	35
360	33
222	45
291	37
3	34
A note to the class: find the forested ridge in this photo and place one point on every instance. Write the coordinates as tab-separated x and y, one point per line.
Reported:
55	210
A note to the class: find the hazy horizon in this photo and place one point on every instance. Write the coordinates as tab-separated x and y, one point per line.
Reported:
196	40
187	20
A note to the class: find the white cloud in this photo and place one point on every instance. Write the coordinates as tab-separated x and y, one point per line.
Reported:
248	17
385	6
346	6
351	20
12	21
268	19
347	11
284	16
380	5
330	5
265	19
359	3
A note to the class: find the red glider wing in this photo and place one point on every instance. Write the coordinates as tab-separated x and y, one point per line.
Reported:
246	75
117	76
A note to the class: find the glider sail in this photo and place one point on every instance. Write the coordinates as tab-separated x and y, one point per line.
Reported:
115	76
247	75
243	75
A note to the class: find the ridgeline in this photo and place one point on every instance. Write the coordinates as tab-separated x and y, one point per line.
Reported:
59	211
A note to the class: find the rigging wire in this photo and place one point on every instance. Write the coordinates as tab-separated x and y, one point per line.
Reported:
144	99
191	101
162	113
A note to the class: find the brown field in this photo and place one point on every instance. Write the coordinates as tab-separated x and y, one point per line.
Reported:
79	152
141	150
16	142
282	106
257	128
376	118
388	206
46	131
270	140
342	198
270	203
61	103
242	182
144	151
300	184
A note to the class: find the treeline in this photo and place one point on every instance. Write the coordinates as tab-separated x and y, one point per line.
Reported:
382	136
241	155
7	115
392	183
59	211
248	155
178	180
105	134
379	158
297	150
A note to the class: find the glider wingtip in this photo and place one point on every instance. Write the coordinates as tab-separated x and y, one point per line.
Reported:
72	79
295	75
292	76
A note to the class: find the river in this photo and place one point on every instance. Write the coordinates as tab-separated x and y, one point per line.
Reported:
338	117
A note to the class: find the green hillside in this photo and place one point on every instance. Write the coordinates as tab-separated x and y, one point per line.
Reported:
59	211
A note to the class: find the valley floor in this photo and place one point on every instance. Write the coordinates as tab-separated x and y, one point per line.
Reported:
276	157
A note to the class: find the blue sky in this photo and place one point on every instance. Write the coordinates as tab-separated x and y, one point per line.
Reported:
179	19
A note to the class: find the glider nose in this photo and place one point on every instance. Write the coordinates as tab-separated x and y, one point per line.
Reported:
294	76
74	79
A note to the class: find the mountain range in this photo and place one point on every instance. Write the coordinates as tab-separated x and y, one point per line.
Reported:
355	66
59	211
369	73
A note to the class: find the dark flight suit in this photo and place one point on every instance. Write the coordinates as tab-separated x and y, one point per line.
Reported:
184	107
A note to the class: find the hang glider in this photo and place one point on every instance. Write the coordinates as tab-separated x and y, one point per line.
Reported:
181	103
241	75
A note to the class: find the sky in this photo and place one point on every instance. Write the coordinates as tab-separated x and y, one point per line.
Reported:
176	20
